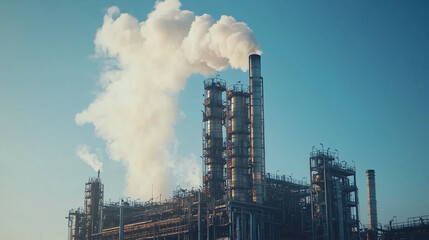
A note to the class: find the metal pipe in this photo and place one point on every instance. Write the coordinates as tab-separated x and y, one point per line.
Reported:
340	210
208	224
257	128
251	226
233	225
259	231
214	224
372	201
199	214
101	219
243	225
356	199
327	215
238	228
121	221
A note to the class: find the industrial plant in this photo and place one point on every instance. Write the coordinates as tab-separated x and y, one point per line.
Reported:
239	199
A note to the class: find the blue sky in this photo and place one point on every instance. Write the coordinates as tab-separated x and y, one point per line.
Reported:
352	75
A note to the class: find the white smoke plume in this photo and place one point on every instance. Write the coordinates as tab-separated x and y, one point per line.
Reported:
146	66
83	152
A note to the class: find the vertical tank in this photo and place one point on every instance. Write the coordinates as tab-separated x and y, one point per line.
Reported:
238	144
213	144
257	128
94	193
372	201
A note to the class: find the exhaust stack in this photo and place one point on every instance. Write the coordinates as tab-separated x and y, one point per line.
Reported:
372	201
257	128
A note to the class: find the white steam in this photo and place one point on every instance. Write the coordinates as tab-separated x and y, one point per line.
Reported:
83	152
147	64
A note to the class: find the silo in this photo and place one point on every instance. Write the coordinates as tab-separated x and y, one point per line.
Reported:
213	143
238	144
257	128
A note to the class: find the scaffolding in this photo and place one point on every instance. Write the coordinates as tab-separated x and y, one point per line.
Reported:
334	197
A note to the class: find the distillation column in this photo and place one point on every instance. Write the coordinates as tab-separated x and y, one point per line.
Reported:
94	191
213	148
257	128
238	144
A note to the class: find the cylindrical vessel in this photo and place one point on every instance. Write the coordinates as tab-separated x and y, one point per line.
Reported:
238	144
213	148
372	201
257	128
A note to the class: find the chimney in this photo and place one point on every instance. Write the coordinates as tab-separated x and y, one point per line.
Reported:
257	128
372	201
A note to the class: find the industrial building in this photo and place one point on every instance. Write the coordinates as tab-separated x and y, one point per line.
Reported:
239	200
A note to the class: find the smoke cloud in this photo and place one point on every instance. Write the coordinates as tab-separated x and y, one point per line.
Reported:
146	66
83	152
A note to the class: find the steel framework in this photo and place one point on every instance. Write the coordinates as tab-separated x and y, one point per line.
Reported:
334	197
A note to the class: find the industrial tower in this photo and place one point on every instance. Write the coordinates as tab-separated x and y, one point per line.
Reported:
213	143
334	197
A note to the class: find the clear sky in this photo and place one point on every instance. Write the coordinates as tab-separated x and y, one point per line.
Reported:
353	75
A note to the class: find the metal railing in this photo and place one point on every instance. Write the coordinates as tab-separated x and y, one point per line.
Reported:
286	178
217	82
239	88
410	223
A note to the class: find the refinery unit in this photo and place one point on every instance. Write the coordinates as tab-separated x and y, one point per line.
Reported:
239	200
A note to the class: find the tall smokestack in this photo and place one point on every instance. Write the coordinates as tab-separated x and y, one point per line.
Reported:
372	201
257	128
